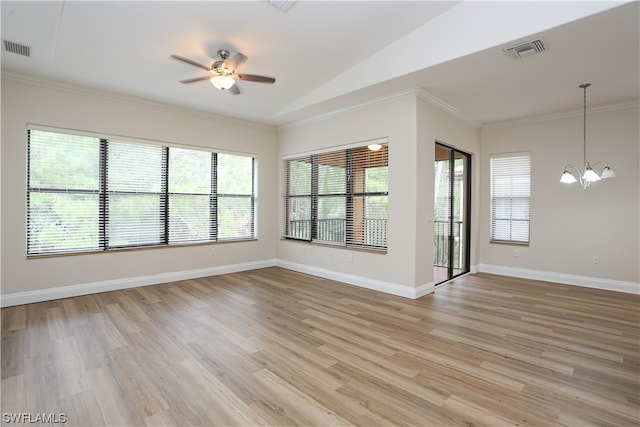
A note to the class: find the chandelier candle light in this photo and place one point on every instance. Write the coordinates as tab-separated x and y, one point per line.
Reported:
589	174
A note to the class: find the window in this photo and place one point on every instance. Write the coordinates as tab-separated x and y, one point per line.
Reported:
87	193
338	197
510	197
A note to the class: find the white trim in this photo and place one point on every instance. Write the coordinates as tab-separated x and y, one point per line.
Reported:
330	149
363	282
134	140
563	278
424	289
29	297
132	100
346	110
447	108
564	115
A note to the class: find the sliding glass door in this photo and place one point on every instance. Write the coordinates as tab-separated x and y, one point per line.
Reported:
451	213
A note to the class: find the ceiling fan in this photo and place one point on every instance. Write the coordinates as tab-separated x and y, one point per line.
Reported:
223	72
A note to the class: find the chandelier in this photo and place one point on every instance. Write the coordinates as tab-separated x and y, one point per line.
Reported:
589	175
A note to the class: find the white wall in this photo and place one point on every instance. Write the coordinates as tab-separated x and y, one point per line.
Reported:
396	121
412	127
435	125
569	226
65	108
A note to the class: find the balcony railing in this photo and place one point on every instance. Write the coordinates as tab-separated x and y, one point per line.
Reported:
441	244
334	230
375	234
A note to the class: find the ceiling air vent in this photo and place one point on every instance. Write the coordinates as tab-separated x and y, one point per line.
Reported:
526	49
17	48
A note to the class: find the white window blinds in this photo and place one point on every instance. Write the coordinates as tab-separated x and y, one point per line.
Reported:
191	214
338	197
63	196
135	198
88	193
235	207
510	197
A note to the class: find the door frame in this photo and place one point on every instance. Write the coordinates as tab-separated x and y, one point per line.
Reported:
466	267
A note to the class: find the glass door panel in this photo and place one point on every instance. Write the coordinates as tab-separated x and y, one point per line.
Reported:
451	213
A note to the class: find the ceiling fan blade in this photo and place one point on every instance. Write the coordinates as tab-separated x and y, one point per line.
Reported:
234	90
235	61
190	62
254	78
196	79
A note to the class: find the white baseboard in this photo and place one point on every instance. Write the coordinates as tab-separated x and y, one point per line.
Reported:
363	282
564	278
29	297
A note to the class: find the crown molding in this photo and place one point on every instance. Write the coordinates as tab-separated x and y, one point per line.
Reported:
351	109
564	115
127	99
447	108
414	93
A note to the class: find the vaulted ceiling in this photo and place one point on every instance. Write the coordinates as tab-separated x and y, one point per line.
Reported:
330	56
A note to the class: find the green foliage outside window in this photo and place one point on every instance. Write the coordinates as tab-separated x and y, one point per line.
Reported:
88	193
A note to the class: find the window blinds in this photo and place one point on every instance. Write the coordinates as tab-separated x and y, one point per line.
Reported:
135	196
89	193
63	196
510	197
338	197
191	214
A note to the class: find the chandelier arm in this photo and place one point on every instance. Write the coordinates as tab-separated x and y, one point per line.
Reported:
583	183
571	165
589	175
600	162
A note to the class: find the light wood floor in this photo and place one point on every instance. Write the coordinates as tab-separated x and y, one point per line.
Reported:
275	347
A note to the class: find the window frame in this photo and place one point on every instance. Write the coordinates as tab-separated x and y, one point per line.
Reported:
33	250
514	164
354	236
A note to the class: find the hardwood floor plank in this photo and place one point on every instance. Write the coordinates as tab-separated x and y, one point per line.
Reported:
299	406
13	320
12	398
222	405
85	403
277	347
112	400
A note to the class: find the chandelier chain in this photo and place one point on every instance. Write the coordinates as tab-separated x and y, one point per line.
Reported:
590	175
584	86
584	124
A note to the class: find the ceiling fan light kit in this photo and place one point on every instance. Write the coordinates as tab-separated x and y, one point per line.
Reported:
222	82
590	175
222	73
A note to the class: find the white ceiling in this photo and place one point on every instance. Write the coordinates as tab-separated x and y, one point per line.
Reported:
330	56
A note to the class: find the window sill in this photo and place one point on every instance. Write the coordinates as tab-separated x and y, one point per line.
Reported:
506	242
336	246
137	248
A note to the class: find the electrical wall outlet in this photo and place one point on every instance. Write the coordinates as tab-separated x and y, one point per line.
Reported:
596	259
213	251
516	252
